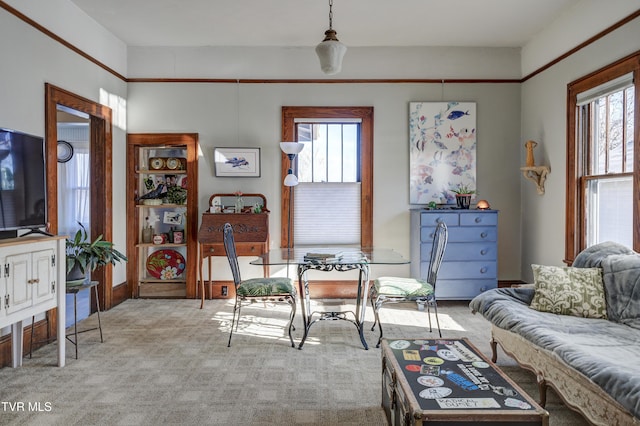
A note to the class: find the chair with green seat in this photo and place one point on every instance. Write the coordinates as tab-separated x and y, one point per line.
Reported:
421	291
276	289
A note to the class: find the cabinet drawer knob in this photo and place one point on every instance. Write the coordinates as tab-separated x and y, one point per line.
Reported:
483	235
483	252
483	270
478	219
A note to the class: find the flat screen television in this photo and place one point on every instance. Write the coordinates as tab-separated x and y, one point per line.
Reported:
23	192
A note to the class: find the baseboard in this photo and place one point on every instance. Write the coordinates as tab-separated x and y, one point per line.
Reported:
39	339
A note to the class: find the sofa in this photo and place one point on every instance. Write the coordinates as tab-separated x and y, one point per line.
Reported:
590	354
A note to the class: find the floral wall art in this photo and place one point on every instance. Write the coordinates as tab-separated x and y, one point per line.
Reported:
442	149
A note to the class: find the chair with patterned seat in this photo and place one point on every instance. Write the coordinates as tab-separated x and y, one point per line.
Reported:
276	289
400	290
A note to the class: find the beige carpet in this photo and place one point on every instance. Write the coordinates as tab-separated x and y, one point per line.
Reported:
166	362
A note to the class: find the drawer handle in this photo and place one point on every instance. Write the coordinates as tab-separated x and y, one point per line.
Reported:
478	219
483	270
483	235
483	252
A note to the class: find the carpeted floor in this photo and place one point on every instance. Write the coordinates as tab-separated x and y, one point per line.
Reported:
166	362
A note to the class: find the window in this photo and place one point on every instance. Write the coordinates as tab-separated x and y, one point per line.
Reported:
333	202
603	117
328	172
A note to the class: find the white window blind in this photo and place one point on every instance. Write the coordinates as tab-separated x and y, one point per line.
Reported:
604	89
327	214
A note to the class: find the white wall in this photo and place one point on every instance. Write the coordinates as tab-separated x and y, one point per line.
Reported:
544	115
29	60
211	109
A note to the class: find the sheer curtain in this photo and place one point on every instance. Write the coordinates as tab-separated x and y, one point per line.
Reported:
73	182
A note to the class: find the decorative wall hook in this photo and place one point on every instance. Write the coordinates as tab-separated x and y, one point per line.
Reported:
536	174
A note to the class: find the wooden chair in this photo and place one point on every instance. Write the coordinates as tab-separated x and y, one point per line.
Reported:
277	289
423	292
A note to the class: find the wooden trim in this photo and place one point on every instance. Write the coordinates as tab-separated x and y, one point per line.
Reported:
289	114
90	58
190	141
40	337
329	81
59	39
584	44
101	171
574	219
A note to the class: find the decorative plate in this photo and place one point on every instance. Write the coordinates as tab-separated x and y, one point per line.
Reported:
173	163
65	151
156	163
166	264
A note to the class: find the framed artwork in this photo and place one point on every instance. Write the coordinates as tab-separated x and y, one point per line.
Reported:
237	162
442	150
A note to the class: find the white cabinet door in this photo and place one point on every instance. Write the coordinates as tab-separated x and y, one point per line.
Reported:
17	272
43	276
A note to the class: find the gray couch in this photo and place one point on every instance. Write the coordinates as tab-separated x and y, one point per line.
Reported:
593	364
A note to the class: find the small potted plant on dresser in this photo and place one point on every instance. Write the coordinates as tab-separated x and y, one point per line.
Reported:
85	256
463	195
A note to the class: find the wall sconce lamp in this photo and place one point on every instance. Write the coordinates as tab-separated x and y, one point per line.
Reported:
536	174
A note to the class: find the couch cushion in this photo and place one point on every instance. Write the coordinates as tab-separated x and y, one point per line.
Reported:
569	291
621	275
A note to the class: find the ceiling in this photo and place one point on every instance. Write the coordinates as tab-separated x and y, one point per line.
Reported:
295	23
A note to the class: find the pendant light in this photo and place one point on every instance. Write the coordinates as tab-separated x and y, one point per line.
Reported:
330	51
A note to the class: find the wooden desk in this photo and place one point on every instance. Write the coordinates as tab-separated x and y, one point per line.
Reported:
251	232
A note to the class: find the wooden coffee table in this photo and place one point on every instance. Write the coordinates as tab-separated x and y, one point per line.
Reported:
450	382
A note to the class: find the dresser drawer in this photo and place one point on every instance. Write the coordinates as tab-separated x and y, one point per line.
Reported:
462	289
464	251
462	270
434	217
458	235
478	219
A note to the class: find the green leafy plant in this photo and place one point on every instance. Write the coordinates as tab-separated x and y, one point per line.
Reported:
87	255
176	195
462	189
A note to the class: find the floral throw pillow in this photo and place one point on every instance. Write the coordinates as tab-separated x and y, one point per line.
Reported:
569	291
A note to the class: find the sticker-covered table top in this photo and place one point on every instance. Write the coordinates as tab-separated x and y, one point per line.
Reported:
449	374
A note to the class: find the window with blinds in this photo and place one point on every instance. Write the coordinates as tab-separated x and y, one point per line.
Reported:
606	129
327	199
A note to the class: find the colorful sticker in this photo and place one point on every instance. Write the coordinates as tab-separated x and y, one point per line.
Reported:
501	390
480	364
411	355
433	360
399	344
459	380
435	393
413	368
430	381
516	403
430	370
468	403
447	354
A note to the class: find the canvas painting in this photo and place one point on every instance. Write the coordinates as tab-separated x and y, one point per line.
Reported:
442	148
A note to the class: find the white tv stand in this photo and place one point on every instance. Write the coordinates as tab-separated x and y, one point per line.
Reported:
32	281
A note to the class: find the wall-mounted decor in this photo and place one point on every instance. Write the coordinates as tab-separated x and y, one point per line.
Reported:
442	149
237	162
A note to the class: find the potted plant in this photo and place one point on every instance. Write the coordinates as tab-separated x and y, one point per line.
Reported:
84	256
463	195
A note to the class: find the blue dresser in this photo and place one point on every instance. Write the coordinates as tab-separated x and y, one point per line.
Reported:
470	263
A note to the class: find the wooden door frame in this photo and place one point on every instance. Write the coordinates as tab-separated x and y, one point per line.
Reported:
100	161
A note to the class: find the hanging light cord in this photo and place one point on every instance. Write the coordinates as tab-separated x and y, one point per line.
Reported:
330	14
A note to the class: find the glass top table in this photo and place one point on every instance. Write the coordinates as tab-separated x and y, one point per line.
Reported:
332	259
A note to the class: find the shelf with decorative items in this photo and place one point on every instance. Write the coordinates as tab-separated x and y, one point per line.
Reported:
162	208
250	225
